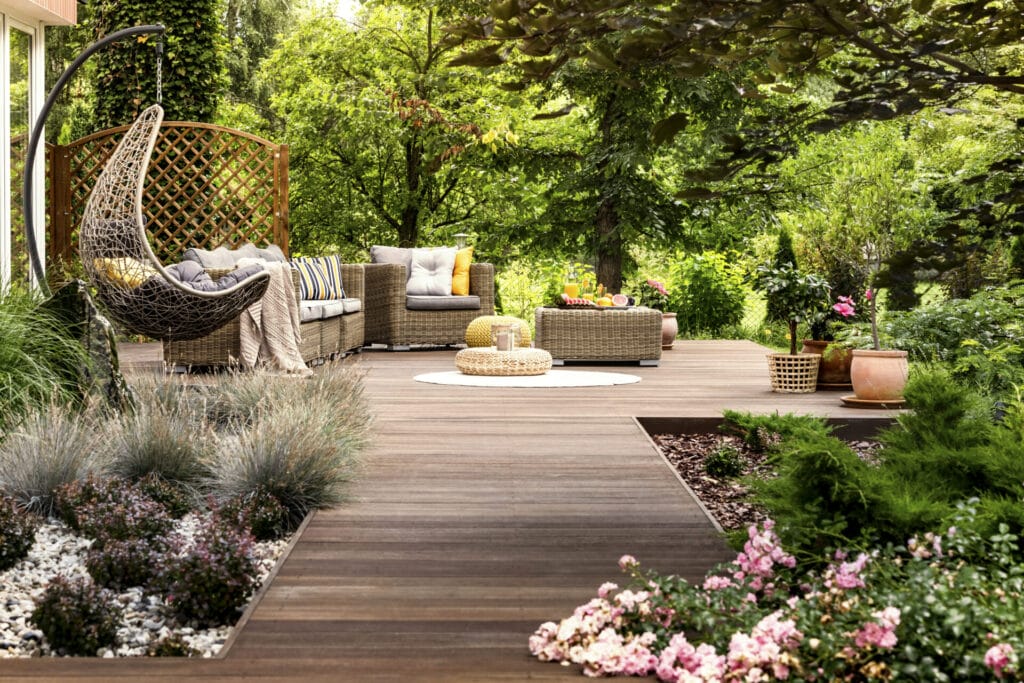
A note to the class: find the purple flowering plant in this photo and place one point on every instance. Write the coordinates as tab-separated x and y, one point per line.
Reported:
929	610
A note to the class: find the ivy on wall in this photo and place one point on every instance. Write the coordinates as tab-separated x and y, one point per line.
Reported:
193	74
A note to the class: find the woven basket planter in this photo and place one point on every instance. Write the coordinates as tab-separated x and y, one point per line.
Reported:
793	373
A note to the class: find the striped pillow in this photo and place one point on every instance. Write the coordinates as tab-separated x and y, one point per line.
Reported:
320	277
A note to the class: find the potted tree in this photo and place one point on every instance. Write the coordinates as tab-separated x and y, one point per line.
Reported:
799	297
878	375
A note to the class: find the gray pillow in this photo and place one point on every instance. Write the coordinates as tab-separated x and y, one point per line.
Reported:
222	257
399	255
192	274
431	272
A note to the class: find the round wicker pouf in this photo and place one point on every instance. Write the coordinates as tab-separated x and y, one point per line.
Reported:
478	333
487	361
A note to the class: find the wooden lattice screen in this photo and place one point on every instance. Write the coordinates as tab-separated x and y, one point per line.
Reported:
207	186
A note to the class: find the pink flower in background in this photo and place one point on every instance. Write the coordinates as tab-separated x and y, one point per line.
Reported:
1000	658
658	286
844	306
868	295
627	561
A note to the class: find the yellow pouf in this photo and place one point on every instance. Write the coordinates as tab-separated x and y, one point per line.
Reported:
487	361
479	331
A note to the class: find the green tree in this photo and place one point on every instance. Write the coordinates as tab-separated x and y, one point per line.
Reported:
783	254
388	142
252	28
126	72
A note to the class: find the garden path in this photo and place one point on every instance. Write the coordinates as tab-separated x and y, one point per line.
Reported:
480	514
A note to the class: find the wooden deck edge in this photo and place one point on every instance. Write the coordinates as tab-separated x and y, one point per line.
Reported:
258	598
639	422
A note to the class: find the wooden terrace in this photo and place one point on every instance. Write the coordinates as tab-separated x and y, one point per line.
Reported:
481	513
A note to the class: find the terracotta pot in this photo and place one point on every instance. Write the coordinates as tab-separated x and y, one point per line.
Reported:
878	375
669	330
835	365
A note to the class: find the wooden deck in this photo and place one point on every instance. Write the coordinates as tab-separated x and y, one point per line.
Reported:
481	513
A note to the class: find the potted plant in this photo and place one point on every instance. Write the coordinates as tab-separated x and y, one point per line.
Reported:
878	375
799	297
654	295
836	356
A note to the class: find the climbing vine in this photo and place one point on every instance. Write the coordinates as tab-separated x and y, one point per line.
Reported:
193	77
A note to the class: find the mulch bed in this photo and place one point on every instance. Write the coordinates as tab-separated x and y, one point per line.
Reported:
726	498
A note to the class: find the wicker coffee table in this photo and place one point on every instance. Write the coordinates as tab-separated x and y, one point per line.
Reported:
486	360
600	334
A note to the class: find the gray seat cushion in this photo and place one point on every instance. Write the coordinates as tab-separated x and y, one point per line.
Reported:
316	309
353	305
442	303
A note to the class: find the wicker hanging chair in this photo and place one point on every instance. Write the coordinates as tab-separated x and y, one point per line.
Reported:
135	288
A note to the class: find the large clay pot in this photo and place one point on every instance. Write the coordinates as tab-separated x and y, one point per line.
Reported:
834	371
878	375
669	330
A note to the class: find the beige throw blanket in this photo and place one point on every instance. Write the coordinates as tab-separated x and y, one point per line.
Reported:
269	334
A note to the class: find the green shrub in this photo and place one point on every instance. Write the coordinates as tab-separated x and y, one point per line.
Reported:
763	433
302	447
174	496
52	446
38	360
210	582
121	564
76	617
258	512
724	463
17	532
174	645
783	254
945	451
706	292
113	509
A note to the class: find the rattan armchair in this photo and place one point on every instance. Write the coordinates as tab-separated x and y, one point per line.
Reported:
389	321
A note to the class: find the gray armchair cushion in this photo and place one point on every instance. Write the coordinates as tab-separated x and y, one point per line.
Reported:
431	272
442	303
353	305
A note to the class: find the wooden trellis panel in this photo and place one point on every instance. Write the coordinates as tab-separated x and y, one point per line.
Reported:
207	186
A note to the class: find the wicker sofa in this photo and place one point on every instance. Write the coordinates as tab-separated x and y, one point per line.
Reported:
391	321
321	337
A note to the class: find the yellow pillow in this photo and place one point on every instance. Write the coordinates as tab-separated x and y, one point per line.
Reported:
460	276
125	271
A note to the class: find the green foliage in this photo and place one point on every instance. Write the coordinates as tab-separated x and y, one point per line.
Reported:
706	292
1017	258
53	446
38	358
76	617
783	254
980	340
800	297
208	583
176	498
192	62
946	451
724	463
173	645
17	532
123	563
124	513
764	433
257	512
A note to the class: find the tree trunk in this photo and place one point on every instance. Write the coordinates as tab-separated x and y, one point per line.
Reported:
609	247
409	222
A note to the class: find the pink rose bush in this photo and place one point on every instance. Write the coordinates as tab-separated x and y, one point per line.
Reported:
871	616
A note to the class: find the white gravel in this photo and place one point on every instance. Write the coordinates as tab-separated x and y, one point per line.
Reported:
58	551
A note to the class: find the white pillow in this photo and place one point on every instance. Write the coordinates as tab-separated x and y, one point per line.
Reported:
430	273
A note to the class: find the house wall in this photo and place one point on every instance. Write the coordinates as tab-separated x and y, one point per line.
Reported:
56	12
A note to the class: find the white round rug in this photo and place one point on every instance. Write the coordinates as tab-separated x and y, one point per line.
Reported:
553	378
